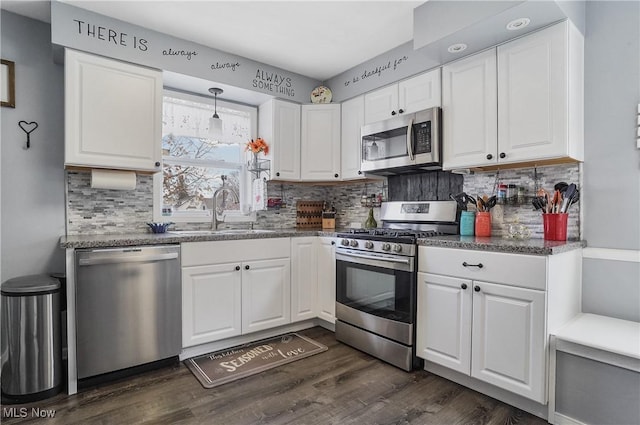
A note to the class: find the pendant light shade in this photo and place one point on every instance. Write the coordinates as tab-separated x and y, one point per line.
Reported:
215	123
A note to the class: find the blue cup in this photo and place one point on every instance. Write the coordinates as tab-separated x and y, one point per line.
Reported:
467	223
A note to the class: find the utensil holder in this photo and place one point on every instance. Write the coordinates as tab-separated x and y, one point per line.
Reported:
483	223
467	223
555	226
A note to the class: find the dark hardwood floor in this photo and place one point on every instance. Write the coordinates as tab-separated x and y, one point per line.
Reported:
339	386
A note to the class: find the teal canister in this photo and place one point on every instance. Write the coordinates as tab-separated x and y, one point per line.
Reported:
467	223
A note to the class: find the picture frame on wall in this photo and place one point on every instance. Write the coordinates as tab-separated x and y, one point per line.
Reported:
8	84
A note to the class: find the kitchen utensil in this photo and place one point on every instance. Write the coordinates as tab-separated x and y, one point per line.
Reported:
547	202
159	227
569	194
491	202
481	204
557	200
561	186
461	200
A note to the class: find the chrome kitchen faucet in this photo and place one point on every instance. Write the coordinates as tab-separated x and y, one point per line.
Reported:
214	215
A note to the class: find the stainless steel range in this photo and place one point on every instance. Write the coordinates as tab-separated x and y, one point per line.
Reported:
376	279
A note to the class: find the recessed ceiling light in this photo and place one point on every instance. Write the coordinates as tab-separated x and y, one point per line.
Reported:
518	24
457	48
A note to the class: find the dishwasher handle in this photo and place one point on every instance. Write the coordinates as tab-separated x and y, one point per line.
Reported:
126	258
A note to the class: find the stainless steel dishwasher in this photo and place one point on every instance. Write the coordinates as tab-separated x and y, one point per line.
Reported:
128	307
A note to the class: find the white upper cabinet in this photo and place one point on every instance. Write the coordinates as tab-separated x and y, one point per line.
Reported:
534	113
410	95
352	122
539	112
279	125
320	147
420	92
469	98
113	114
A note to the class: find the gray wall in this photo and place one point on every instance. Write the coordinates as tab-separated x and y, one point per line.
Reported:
587	390
32	180
612	161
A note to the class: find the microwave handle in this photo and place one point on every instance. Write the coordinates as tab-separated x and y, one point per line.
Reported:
410	140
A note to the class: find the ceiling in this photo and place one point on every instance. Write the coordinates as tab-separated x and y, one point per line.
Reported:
318	39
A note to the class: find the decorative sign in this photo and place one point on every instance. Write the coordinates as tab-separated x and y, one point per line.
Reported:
90	32
392	66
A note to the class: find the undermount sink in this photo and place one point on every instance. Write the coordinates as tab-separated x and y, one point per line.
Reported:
220	232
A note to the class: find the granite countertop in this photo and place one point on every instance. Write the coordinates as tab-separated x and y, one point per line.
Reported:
498	244
117	240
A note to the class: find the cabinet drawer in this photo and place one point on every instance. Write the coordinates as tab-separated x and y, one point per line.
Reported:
527	271
210	252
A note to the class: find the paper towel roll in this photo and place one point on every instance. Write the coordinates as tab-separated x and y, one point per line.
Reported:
112	179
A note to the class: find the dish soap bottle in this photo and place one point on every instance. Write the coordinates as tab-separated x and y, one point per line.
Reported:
370	223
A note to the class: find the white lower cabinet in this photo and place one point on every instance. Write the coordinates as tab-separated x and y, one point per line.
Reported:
231	288
488	315
211	303
313	278
266	292
327	279
304	278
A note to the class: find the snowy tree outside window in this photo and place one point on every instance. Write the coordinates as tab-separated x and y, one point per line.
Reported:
194	166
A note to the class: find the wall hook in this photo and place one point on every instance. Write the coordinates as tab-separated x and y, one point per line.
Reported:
28	128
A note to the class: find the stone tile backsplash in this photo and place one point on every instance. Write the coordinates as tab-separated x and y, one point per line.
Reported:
103	211
99	211
503	215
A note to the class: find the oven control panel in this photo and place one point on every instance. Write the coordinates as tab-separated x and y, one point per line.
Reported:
376	246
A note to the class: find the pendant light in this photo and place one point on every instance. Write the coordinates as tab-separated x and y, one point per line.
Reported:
215	123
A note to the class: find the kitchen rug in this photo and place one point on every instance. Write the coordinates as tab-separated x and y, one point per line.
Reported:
224	366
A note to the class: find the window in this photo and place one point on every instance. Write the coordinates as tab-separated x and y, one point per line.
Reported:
194	166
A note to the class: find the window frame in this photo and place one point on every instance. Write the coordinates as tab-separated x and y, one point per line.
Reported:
245	175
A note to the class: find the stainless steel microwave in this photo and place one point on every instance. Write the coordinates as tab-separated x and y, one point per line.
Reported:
402	144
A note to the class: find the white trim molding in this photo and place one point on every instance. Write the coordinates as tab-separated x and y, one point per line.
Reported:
629	255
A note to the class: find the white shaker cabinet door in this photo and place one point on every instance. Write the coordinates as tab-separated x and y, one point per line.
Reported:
509	338
533	96
304	280
327	279
469	112
211	306
279	125
444	321
381	104
351	125
320	142
266	294
420	92
113	114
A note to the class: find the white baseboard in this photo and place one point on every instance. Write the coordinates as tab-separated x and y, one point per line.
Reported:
560	419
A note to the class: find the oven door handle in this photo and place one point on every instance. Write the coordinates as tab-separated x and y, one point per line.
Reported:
405	263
